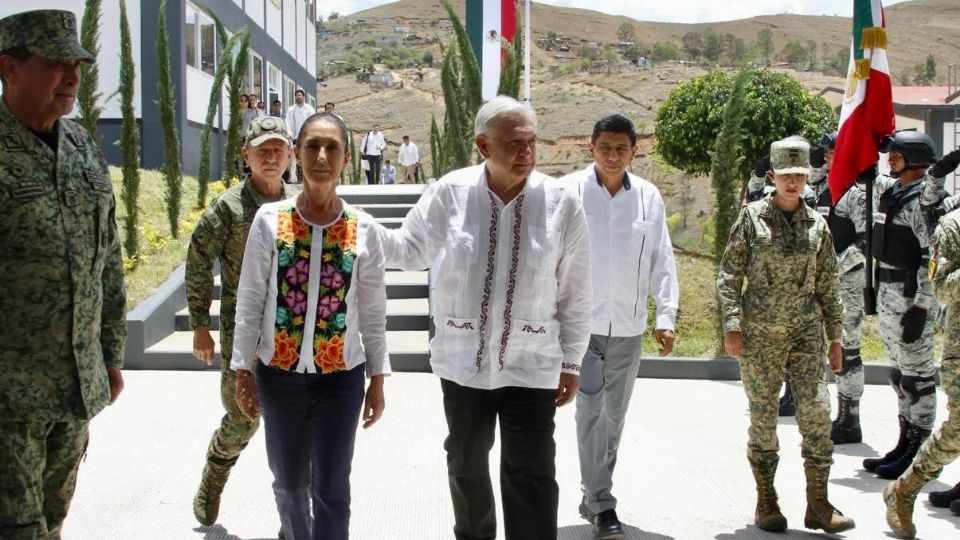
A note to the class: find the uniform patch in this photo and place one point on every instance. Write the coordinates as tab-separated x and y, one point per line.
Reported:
97	179
69	22
11	142
28	190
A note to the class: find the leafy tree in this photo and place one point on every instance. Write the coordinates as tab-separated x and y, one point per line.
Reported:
87	95
765	44
930	69
428	58
626	31
129	140
692	45
712	45
664	51
172	175
689	121
794	53
838	62
334	15
551	35
812	54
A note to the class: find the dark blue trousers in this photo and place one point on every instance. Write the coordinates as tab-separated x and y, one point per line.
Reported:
310	425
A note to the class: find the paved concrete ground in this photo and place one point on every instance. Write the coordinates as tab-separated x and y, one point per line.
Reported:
682	471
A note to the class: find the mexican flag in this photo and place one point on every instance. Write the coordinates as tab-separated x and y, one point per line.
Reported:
487	22
867	114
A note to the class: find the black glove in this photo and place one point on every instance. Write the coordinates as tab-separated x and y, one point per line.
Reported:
870	173
817	158
762	167
946	165
913	321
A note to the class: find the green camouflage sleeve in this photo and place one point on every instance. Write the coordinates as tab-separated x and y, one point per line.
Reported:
113	314
828	288
206	244
945	263
733	268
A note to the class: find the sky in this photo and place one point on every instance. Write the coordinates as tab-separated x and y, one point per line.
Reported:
681	11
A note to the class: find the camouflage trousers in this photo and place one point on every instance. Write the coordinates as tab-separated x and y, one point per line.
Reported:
914	360
235	429
943	447
762	366
38	473
850	384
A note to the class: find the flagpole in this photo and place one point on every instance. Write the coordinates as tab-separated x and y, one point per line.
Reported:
526	52
869	291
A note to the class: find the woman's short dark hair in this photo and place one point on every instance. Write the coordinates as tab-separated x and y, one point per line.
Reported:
615	123
332	118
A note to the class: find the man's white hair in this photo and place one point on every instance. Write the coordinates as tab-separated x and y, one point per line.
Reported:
501	106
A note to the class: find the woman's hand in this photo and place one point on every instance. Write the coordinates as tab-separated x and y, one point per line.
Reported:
247	400
733	343
373	402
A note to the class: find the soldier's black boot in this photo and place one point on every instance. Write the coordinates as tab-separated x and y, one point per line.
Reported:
787	406
846	428
942	499
915	438
871	464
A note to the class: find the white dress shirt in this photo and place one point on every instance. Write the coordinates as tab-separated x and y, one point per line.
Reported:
365	339
510	298
408	154
630	254
296	116
373	144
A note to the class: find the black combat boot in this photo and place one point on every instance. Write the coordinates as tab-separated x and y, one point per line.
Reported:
871	464
915	438
787	406
942	499
846	428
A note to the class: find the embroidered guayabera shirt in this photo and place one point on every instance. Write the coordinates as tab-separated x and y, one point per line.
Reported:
312	297
511	295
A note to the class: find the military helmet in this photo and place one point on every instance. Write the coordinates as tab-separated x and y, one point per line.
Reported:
50	33
916	148
828	141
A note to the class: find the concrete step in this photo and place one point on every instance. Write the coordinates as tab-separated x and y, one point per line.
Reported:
403	314
386	210
359	195
409	351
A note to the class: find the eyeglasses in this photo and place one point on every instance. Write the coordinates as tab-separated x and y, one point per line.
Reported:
261	106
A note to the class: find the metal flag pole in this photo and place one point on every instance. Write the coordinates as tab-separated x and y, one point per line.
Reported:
869	291
526	52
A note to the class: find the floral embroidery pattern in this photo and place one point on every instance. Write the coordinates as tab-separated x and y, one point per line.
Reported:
511	281
338	255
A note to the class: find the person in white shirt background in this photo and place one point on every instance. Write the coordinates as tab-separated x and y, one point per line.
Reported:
630	256
372	147
511	306
408	159
388	174
297	114
310	321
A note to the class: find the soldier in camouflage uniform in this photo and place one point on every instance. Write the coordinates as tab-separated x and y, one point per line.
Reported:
944	446
63	323
905	294
221	234
775	324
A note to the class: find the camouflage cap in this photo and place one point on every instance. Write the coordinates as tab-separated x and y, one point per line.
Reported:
264	128
790	157
50	33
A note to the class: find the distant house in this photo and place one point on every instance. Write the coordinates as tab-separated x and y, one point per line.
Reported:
401	29
282	59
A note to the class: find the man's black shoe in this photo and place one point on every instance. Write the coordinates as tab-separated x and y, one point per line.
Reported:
607	526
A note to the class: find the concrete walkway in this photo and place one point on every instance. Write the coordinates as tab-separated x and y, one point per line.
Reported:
683	473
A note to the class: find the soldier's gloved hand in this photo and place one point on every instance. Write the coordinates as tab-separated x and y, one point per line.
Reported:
946	165
762	167
913	322
870	173
818	157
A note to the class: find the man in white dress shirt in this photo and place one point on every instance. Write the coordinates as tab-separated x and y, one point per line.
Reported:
372	147
510	255
630	256
297	114
408	159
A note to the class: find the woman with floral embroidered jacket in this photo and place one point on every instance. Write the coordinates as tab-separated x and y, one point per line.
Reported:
311	319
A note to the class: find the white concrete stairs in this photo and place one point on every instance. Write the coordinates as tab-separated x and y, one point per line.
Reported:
408	313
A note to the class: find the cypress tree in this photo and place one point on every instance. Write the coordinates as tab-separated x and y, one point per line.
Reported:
355	171
172	174
87	94
129	139
219	75
234	157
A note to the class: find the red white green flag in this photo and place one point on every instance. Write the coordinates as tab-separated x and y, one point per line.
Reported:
867	114
487	22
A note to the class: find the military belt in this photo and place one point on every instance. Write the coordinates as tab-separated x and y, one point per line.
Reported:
899	275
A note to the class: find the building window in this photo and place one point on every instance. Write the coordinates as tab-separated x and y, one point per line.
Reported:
190	36
207	43
288	90
256	74
275	84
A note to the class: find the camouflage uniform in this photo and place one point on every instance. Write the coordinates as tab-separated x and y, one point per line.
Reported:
221	234
63	318
912	361
789	301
